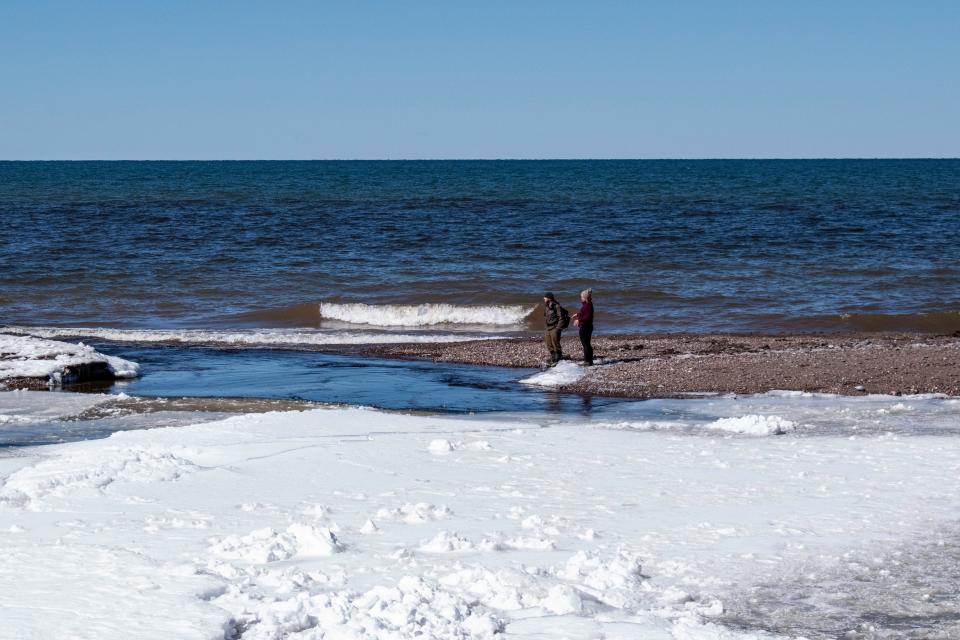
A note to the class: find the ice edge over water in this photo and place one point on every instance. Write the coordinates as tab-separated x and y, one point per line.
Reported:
32	357
421	315
562	374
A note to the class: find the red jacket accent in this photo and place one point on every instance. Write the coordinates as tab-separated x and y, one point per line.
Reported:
585	315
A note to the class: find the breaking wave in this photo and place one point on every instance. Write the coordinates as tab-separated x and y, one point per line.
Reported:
423	315
252	338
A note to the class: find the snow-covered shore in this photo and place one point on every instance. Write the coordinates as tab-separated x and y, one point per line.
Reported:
54	362
350	523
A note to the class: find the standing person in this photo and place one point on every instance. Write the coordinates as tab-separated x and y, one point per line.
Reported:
553	319
584	320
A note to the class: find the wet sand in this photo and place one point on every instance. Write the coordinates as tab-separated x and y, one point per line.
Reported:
672	365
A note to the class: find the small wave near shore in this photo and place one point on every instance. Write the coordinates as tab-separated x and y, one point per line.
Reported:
425	315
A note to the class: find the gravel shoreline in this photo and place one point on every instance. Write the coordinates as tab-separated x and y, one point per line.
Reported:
673	365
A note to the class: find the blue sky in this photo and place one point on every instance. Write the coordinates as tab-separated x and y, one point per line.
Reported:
292	80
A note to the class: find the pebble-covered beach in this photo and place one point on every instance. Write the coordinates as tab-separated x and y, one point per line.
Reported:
670	365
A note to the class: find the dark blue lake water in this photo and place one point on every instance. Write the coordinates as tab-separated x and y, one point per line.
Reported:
678	245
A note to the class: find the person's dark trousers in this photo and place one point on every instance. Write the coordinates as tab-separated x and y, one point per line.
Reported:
552	338
586	333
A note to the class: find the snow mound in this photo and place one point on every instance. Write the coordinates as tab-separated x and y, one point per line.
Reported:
584	580
616	581
754	425
564	373
453	542
267	545
449	542
537	523
412	608
513	590
30	357
420	315
414	513
533	543
440	447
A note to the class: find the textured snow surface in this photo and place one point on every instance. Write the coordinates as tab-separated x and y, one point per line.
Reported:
31	357
350	523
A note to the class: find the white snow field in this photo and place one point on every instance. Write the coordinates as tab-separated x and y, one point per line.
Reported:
350	523
32	357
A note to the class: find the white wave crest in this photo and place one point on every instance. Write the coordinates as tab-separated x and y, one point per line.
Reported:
252	338
422	315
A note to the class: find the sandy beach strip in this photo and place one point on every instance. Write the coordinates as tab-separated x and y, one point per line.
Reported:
672	365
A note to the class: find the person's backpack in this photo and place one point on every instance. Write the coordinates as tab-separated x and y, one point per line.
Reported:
564	317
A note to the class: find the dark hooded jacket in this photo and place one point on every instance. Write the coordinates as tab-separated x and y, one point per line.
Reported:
551	314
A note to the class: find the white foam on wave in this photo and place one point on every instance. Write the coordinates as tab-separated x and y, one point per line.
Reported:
254	337
424	315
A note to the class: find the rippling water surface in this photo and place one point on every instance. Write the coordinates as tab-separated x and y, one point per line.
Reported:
678	245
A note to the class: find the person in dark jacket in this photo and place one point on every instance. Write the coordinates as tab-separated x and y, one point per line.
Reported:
584	320
551	319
